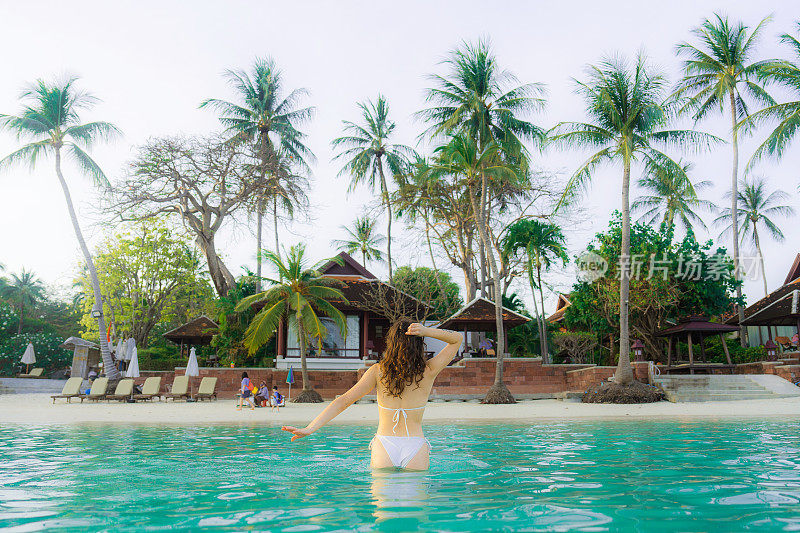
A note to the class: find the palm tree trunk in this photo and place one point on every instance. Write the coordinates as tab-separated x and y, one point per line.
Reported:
624	372
499	393
735	215
546	348
21	314
539	321
275	222
387	203
761	259
108	364
259	228
301	342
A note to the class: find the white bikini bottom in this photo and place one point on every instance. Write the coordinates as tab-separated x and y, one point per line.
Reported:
401	449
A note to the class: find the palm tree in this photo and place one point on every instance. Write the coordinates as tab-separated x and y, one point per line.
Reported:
718	72
476	167
299	295
362	238
673	198
369	152
543	243
25	289
756	205
626	107
50	120
481	99
788	114
269	119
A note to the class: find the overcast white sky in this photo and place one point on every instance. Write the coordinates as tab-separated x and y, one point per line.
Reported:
152	63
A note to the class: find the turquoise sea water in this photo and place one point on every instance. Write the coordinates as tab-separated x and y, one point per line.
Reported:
664	476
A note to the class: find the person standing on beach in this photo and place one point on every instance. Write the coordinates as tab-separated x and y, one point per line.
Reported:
246	394
403	379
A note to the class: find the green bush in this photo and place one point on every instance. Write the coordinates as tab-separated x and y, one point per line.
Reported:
159	358
49	354
716	354
8	321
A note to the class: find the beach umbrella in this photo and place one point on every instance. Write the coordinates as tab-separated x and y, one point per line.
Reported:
133	367
119	352
192	369
290	380
29	357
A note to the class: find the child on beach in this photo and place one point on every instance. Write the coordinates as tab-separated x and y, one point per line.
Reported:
245	393
403	379
277	398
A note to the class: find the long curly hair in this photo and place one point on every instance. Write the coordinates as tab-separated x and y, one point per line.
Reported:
403	362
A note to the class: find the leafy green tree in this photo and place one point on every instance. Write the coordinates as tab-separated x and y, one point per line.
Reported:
756	207
265	116
24	289
299	295
521	339
543	244
50	119
368	152
149	276
671	280
787	114
433	287
362	238
628	117
719	73
672	197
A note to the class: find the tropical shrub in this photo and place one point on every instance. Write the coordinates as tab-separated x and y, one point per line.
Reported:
49	354
576	346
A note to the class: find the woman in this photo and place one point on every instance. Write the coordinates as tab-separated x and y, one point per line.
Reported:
403	379
245	393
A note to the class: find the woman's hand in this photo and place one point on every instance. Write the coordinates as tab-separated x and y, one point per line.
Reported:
297	433
416	329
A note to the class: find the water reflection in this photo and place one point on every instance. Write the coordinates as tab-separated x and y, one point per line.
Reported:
399	496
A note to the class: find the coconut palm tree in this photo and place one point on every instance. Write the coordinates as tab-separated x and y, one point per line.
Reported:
362	238
543	244
480	99
50	120
625	105
265	116
368	153
24	289
787	114
719	73
756	208
299	295
476	167
672	197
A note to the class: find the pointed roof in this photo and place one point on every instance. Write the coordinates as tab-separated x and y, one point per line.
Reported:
199	331
561	308
696	324
478	315
794	272
350	268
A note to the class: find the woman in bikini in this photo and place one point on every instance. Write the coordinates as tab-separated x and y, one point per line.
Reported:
403	380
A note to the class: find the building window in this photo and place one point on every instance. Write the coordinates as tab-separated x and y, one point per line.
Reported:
334	344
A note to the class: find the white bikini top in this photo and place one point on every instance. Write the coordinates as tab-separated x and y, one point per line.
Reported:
396	417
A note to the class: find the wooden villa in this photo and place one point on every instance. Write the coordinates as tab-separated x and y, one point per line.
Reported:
479	316
368	306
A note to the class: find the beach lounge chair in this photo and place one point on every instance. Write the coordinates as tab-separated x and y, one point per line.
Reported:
123	391
150	389
98	390
72	389
35	373
208	389
180	388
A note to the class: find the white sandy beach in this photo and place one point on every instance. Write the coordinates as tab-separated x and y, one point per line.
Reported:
38	409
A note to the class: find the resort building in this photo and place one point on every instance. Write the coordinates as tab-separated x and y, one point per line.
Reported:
370	303
776	317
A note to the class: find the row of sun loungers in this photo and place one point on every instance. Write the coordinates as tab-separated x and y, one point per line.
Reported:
150	390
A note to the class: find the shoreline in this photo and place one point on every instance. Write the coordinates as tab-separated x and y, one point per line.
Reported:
37	410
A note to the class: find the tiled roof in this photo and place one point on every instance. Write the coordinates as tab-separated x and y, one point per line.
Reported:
198	331
479	315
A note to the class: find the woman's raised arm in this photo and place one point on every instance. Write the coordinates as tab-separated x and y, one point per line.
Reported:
356	392
453	340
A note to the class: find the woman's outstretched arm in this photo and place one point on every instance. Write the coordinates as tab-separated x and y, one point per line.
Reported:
453	340
356	392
